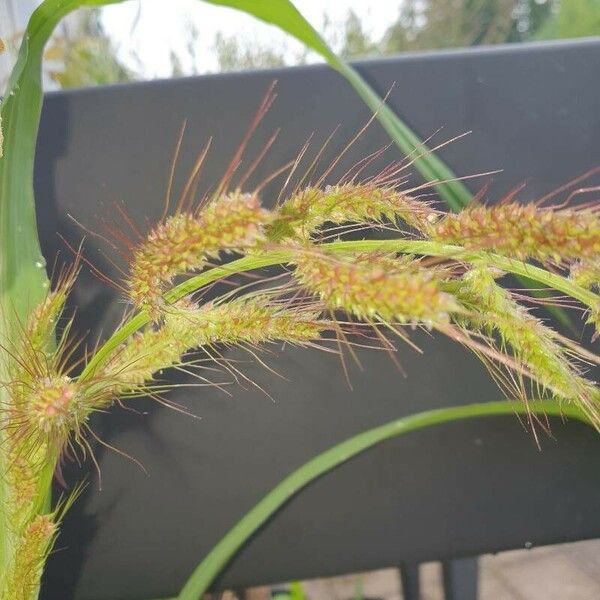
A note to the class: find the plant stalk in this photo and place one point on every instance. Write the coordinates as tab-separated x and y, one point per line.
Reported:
277	257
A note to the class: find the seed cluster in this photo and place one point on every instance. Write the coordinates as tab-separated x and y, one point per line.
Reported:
373	287
523	231
248	320
304	212
586	273
54	404
447	290
534	346
185	241
29	557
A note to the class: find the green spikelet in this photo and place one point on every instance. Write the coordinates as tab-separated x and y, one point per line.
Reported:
523	231
185	241
535	347
40	332
586	273
304	212
375	287
248	320
32	549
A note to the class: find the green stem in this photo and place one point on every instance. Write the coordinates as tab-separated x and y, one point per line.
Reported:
428	248
205	573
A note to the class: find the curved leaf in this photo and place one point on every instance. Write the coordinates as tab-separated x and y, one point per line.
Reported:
283	14
205	573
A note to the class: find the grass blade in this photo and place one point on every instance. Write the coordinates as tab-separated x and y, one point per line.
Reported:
205	573
283	14
23	278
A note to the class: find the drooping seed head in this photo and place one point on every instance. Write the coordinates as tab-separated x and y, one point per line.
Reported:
307	210
185	326
375	287
253	320
523	231
185	241
534	346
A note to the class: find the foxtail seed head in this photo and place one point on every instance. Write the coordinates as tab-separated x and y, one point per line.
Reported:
40	332
586	273
54	406
523	231
375	287
30	553
247	320
307	210
534	346
185	241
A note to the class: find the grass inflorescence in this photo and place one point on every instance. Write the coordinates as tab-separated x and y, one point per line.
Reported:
185	242
376	287
524	231
434	270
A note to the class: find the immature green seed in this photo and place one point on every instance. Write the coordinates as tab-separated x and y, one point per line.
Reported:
307	210
375	287
523	231
586	273
534	346
185	241
247	320
31	552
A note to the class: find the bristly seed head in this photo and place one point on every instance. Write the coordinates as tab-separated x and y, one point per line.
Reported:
375	287
30	553
307	210
523	231
586	273
247	320
534	346
54	405
185	241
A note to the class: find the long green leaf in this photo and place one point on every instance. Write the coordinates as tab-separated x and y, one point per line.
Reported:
205	573
23	279
286	16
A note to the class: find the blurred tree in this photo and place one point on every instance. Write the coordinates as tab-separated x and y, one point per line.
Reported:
85	55
189	62
419	25
235	54
427	24
356	42
571	19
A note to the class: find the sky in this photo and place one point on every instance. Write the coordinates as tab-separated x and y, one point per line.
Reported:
148	30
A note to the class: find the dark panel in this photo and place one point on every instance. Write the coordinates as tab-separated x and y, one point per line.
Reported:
455	491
